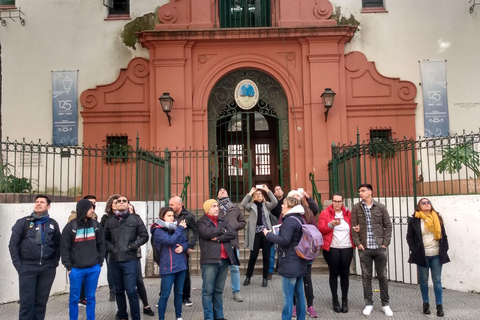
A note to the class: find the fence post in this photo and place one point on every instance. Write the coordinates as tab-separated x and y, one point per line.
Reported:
167	178
414	174
334	168
137	166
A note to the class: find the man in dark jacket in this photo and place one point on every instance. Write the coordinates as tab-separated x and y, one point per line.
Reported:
82	248
277	211
124	234
190	232
216	254
235	218
35	251
372	241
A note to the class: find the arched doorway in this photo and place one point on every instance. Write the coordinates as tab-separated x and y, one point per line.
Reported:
248	133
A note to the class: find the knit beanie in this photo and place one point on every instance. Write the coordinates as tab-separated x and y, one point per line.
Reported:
208	204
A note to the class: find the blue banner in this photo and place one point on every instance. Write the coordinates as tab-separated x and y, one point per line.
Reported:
65	108
435	103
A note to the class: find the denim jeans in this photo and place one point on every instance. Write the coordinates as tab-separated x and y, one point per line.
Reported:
124	275
235	276
433	263
89	276
367	258
213	276
175	280
293	287
272	259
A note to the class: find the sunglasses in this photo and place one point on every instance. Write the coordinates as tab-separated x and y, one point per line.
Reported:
93	207
122	200
425	202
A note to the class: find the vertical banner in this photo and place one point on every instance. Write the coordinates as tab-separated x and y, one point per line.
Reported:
435	103
65	109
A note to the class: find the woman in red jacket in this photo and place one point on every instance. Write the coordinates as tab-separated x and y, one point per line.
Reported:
335	225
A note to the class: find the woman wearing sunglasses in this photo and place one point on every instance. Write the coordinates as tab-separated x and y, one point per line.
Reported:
428	246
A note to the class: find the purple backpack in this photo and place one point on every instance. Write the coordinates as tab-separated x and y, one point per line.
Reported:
310	244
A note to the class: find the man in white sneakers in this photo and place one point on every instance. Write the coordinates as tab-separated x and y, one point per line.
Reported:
372	241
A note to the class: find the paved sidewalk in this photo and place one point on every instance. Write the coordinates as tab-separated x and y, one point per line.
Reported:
266	303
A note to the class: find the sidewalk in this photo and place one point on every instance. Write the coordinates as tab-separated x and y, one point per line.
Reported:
266	303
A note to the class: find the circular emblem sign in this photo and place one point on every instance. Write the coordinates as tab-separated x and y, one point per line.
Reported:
246	94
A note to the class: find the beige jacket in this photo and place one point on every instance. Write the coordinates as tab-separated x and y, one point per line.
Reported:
381	224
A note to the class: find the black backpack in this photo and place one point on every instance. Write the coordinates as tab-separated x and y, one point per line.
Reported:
156	253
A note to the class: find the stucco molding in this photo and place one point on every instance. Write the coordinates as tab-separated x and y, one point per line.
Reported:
131	87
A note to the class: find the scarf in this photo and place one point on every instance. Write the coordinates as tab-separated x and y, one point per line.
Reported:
169	226
40	231
225	204
120	214
432	223
214	219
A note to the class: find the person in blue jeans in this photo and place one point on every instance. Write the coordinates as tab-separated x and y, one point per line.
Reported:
428	245
236	219
216	253
124	234
82	248
291	267
172	246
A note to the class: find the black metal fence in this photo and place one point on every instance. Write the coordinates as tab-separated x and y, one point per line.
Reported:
402	171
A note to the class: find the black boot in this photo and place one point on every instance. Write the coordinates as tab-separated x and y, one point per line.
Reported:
112	295
336	305
426	308
344	305
265	282
246	282
440	310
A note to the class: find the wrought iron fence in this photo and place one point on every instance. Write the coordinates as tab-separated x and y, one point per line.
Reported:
67	172
401	171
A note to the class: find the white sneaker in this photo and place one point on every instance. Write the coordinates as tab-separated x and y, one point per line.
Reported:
367	310
388	311
179	319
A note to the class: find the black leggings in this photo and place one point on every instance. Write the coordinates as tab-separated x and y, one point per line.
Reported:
338	261
259	242
142	292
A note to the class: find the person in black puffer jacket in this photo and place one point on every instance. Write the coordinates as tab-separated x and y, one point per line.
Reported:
290	266
124	234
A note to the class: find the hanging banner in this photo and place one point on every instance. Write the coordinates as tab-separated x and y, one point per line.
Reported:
435	103
65	108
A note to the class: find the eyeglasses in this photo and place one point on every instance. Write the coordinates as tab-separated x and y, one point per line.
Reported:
93	207
122	200
341	201
362	190
425	202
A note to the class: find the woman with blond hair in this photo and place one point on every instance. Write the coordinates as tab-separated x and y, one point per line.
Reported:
428	246
259	208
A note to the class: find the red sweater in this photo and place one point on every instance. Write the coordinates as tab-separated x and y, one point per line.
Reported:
326	216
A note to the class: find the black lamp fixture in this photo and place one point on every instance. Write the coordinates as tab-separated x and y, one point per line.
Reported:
327	96
166	102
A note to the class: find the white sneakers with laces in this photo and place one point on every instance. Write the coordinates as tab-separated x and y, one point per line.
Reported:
388	311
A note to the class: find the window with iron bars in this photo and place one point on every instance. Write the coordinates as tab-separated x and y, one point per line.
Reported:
118	149
381	143
245	13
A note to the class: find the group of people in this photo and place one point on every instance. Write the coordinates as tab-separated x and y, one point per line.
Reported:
36	246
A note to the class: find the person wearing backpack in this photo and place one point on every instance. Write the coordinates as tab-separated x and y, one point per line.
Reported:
311	209
290	266
35	251
82	247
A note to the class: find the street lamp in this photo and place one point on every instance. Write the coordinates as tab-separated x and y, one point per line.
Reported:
327	96
166	102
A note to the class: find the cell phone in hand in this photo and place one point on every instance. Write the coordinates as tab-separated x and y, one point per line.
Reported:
259	186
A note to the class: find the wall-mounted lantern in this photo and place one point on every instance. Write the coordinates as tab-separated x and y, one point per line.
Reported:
166	102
